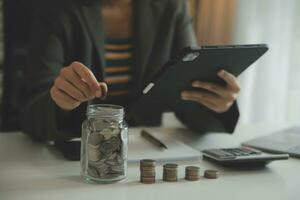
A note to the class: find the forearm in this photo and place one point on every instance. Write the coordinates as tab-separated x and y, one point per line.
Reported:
42	120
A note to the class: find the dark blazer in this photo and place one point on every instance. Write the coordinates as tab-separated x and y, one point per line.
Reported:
71	30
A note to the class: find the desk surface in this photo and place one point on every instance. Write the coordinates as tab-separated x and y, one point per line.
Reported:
35	171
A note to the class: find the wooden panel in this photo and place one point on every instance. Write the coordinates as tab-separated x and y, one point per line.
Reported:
193	7
213	20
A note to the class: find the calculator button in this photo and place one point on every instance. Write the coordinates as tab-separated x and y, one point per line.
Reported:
218	153
251	151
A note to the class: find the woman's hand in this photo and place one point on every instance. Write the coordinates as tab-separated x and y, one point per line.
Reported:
76	84
221	98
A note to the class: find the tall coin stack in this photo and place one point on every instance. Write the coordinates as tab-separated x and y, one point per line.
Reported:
192	173
170	172
147	168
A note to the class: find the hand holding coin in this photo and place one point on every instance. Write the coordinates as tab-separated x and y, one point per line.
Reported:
74	85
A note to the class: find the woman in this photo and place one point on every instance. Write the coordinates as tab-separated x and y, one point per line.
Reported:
82	46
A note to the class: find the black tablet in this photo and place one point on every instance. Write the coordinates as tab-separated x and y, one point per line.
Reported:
202	64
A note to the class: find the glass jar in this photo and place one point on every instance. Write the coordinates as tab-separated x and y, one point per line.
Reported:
104	144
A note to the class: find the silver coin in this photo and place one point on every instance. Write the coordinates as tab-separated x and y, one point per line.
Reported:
192	168
94	153
95	138
170	165
92	171
147	173
211	174
147	163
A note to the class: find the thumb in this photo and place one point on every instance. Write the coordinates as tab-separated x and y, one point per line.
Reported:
102	93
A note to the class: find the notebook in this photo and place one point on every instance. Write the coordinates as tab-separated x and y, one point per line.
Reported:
139	148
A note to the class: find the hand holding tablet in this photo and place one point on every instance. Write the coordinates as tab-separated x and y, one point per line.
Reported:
207	73
218	98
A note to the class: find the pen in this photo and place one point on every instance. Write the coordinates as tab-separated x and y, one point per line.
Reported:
153	139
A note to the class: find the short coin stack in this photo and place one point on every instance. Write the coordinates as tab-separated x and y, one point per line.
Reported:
170	172
192	173
147	168
211	174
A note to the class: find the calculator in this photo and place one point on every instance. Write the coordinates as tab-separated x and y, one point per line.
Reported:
241	156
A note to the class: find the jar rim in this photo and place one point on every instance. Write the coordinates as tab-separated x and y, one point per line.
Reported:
105	110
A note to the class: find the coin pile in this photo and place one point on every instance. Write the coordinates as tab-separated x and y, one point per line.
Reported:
211	174
192	173
105	151
147	169
170	172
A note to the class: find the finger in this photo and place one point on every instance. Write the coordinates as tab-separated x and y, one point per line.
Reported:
206	103
86	75
211	101
69	89
221	91
63	100
202	96
76	81
230	79
212	87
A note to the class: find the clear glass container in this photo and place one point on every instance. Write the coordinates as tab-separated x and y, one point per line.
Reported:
104	145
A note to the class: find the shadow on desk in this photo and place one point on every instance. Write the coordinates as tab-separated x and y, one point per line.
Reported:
79	179
134	183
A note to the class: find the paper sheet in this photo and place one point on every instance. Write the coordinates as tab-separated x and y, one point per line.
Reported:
139	148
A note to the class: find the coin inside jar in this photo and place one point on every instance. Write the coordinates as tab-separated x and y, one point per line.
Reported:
104	154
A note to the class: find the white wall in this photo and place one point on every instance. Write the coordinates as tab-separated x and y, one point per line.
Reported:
271	88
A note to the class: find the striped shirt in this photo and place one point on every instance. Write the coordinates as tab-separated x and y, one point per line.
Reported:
118	58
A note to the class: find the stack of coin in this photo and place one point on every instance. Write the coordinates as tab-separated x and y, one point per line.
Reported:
192	173
211	174
170	172
147	168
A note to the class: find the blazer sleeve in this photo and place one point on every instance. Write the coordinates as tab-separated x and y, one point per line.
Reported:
40	117
202	119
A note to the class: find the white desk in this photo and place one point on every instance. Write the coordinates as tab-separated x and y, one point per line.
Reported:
34	171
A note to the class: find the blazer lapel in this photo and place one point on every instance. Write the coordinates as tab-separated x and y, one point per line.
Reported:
147	15
92	15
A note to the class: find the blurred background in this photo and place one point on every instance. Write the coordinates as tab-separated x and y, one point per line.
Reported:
270	88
